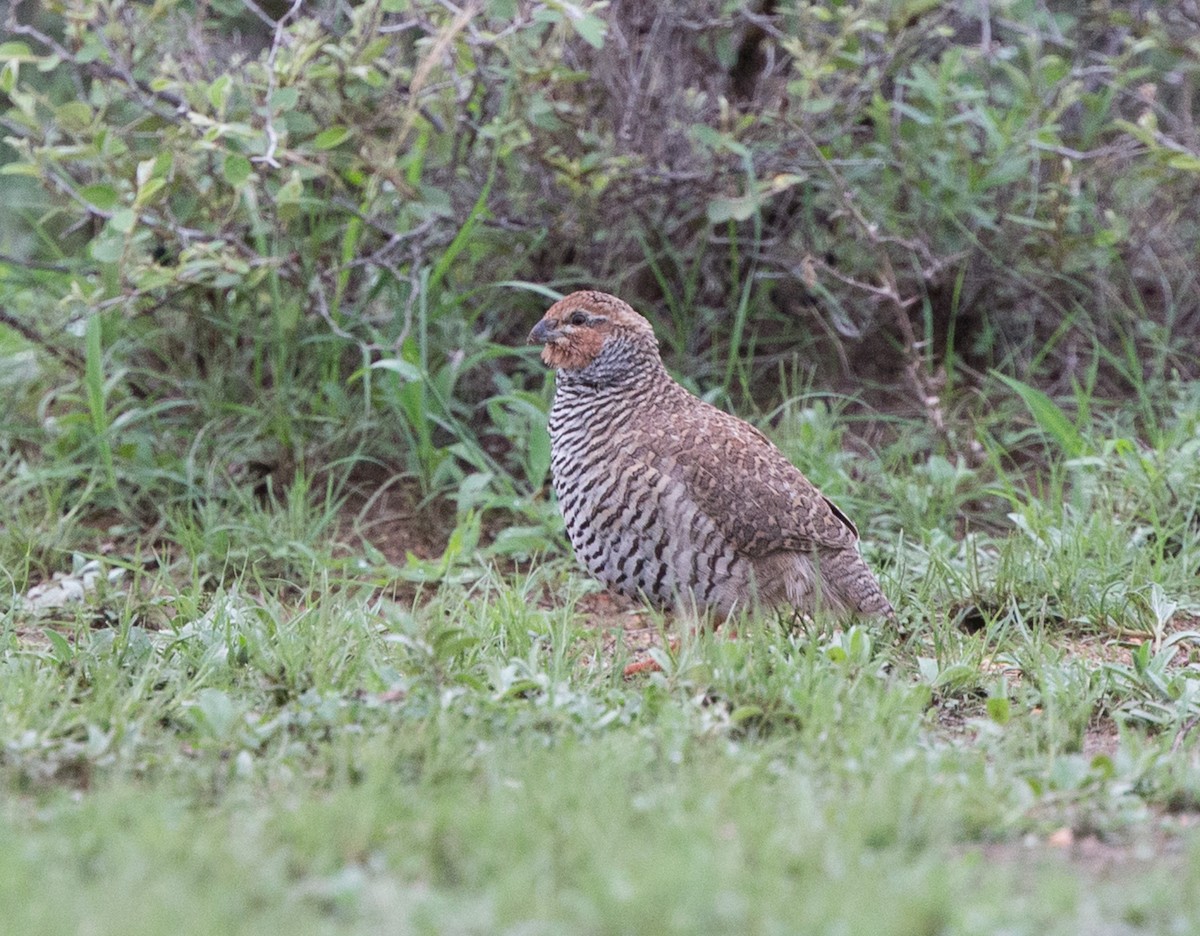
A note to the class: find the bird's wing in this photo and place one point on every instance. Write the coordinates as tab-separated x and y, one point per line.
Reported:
755	497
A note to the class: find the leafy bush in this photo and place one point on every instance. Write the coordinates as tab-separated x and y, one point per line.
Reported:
270	237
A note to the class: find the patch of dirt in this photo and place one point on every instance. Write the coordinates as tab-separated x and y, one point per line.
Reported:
1155	844
1101	737
628	629
1118	648
386	510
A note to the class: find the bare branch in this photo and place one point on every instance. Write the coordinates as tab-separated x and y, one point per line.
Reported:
53	348
268	156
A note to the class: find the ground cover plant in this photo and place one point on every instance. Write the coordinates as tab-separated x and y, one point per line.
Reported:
289	634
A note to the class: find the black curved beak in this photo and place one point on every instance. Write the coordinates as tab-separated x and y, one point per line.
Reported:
542	333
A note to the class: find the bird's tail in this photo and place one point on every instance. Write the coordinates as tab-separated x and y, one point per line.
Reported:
848	582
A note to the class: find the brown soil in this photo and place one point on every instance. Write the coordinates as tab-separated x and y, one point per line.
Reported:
386	510
627	629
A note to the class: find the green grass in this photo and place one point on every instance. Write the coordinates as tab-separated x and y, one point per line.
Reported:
269	416
236	732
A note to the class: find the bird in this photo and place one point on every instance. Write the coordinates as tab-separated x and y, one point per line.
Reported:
668	499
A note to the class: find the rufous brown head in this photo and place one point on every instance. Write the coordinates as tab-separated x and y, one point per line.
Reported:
576	329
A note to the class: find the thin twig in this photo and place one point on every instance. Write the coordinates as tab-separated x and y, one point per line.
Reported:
922	382
34	337
426	66
1184	732
35	264
147	94
268	156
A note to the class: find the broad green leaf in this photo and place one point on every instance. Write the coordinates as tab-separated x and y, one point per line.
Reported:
218	92
1049	418
74	115
284	99
100	195
999	709
732	209
214	713
291	191
123	220
591	29
328	139
106	248
400	367
236	168
539	455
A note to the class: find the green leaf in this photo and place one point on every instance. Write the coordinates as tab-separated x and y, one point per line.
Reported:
539	455
743	713
1102	766
8	77
123	220
214	713
237	169
284	99
328	139
463	237
148	191
291	190
1051	420
519	689
956	676
107	248
522	541
60	647
999	709
74	115
590	28
715	140
93	383
400	367
1184	161
732	209
218	92
707	136
100	195
289	195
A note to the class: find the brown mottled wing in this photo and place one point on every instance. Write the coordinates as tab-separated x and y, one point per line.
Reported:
757	499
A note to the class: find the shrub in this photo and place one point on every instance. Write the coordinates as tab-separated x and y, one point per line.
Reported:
265	236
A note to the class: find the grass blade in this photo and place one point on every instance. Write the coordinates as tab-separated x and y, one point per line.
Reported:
1049	417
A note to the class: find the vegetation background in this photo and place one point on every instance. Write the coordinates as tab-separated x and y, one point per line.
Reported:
289	633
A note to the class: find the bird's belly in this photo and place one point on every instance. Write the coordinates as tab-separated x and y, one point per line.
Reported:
638	532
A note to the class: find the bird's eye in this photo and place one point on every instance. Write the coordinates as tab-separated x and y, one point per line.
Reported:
579	317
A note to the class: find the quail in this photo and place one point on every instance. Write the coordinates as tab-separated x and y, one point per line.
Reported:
669	499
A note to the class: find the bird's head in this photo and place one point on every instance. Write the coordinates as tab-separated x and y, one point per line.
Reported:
596	333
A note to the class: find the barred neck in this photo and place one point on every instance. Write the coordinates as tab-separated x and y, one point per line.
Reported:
622	364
